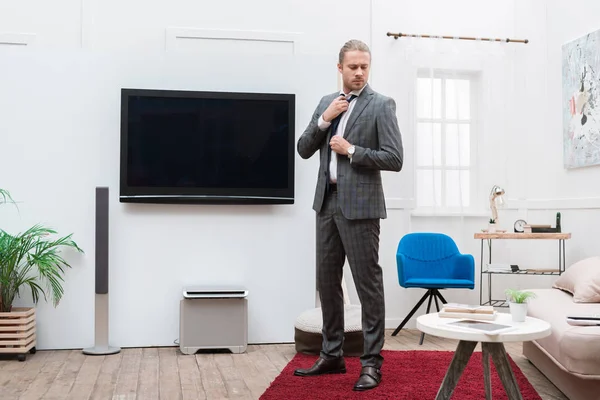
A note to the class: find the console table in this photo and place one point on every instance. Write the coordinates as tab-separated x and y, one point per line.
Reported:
490	237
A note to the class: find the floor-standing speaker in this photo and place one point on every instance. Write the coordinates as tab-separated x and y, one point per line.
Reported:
101	346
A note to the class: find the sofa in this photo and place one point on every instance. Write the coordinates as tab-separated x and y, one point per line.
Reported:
570	356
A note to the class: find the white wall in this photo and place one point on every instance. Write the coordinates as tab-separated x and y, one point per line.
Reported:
395	66
61	108
60	139
520	140
61	135
554	24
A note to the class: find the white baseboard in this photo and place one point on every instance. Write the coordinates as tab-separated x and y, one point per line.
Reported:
392	323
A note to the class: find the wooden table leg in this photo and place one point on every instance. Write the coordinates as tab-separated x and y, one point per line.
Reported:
487	382
505	372
456	368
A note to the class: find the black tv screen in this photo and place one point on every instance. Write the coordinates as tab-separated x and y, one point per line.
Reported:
207	147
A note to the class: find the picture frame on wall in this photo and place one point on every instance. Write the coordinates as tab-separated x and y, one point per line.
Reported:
581	101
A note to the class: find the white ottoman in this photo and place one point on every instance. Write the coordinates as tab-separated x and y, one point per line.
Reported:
309	325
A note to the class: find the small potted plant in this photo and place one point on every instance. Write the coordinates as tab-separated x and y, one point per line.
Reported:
492	226
517	301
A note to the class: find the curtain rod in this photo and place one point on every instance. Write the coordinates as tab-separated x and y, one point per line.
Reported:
507	40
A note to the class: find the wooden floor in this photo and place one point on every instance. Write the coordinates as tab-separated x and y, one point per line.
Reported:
165	373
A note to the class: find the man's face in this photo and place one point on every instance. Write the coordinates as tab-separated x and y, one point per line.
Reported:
355	69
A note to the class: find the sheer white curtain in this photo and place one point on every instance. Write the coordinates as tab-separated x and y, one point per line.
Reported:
463	110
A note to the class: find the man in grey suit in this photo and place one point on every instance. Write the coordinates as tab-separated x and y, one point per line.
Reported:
357	134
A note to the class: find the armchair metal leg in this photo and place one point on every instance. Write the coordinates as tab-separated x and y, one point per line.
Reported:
435	293
432	296
414	310
440	296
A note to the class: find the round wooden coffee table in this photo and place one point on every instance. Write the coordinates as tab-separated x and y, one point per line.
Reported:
491	345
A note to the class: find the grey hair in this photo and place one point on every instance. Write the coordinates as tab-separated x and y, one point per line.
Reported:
352	45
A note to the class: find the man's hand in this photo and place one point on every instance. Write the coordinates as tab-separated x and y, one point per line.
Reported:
337	106
339	145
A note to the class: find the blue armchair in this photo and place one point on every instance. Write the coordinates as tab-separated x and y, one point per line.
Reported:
432	261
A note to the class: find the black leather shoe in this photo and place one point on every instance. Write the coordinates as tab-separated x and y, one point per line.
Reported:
369	378
323	366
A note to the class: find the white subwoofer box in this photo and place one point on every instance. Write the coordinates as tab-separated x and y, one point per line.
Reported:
213	318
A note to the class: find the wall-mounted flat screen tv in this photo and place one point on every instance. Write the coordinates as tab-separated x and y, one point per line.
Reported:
207	147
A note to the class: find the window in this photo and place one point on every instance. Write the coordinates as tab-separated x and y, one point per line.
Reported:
444	140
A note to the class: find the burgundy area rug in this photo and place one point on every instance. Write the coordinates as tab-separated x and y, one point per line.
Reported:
415	374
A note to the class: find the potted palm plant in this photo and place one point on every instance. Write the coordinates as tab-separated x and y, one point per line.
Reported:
517	302
28	261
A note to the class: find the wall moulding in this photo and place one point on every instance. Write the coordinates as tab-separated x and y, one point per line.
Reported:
16	39
398	203
174	34
575	203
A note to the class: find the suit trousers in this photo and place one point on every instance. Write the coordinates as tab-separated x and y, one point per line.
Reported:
338	237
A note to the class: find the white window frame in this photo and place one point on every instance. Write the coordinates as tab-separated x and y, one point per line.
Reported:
474	131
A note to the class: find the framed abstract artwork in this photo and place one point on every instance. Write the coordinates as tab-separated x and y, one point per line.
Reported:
581	101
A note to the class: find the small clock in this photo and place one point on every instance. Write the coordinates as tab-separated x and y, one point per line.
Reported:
520	226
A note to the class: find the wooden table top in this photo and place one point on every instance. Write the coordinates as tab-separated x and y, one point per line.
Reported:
513	235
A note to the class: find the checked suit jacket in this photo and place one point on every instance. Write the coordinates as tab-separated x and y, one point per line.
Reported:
373	129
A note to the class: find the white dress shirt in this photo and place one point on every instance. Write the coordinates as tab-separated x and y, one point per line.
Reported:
323	125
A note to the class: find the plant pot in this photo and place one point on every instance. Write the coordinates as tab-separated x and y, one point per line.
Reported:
518	311
492	228
17	332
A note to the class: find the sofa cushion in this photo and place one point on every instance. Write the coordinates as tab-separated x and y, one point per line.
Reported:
582	280
576	348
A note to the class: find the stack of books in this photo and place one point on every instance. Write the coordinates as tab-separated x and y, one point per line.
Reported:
456	310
